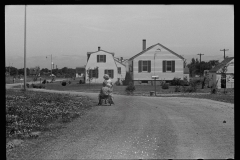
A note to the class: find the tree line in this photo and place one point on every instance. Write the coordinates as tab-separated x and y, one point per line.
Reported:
195	68
65	71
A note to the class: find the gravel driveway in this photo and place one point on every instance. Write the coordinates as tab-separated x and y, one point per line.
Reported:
143	127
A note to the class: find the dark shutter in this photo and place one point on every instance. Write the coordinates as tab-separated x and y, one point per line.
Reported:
149	66
112	74
96	73
173	66
97	58
140	66
132	65
164	66
104	58
105	71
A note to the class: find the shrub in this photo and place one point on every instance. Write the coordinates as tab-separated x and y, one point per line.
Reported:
191	89
214	88
117	83
194	84
64	83
44	81
184	88
130	88
38	86
69	82
176	82
128	79
177	89
165	86
184	83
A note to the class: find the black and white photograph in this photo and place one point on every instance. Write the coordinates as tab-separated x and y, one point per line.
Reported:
119	81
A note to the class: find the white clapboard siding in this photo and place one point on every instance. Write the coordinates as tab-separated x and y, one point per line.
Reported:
160	56
123	71
109	64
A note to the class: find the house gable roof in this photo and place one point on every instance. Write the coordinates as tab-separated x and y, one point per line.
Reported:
220	65
119	61
151	48
88	53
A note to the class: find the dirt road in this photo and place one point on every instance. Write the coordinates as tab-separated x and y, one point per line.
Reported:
145	127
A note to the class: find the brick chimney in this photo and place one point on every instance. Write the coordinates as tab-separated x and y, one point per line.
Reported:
144	44
99	48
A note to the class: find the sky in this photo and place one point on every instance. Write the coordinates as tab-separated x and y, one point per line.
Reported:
68	32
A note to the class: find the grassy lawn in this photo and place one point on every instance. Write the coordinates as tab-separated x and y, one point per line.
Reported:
9	79
145	90
31	111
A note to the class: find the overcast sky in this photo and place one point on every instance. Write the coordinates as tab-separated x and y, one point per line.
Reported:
68	32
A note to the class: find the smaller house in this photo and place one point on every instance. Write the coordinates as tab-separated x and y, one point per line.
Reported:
215	75
80	71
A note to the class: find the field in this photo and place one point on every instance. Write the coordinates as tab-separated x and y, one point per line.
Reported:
30	111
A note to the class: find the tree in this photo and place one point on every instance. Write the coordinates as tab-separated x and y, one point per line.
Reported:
213	63
64	70
128	79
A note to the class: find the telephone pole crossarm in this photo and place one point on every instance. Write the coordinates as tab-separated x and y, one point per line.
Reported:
224	51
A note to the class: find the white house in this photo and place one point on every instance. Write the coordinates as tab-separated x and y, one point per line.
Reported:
156	60
102	62
215	73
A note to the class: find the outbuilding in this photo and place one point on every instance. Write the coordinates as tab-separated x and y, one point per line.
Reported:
216	76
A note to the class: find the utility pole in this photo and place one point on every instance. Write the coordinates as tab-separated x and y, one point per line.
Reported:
51	63
200	63
224	51
25	71
200	56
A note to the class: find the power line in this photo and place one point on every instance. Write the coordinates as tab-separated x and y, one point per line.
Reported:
224	51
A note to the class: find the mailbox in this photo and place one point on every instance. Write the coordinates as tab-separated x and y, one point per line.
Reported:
155	77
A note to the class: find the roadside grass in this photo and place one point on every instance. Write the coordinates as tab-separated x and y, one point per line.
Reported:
30	111
9	80
219	96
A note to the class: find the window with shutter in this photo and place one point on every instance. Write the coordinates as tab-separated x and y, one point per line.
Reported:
169	66
144	66
110	72
101	58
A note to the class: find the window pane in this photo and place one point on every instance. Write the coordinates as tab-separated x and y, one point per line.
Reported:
169	66
101	58
144	65
144	68
144	62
